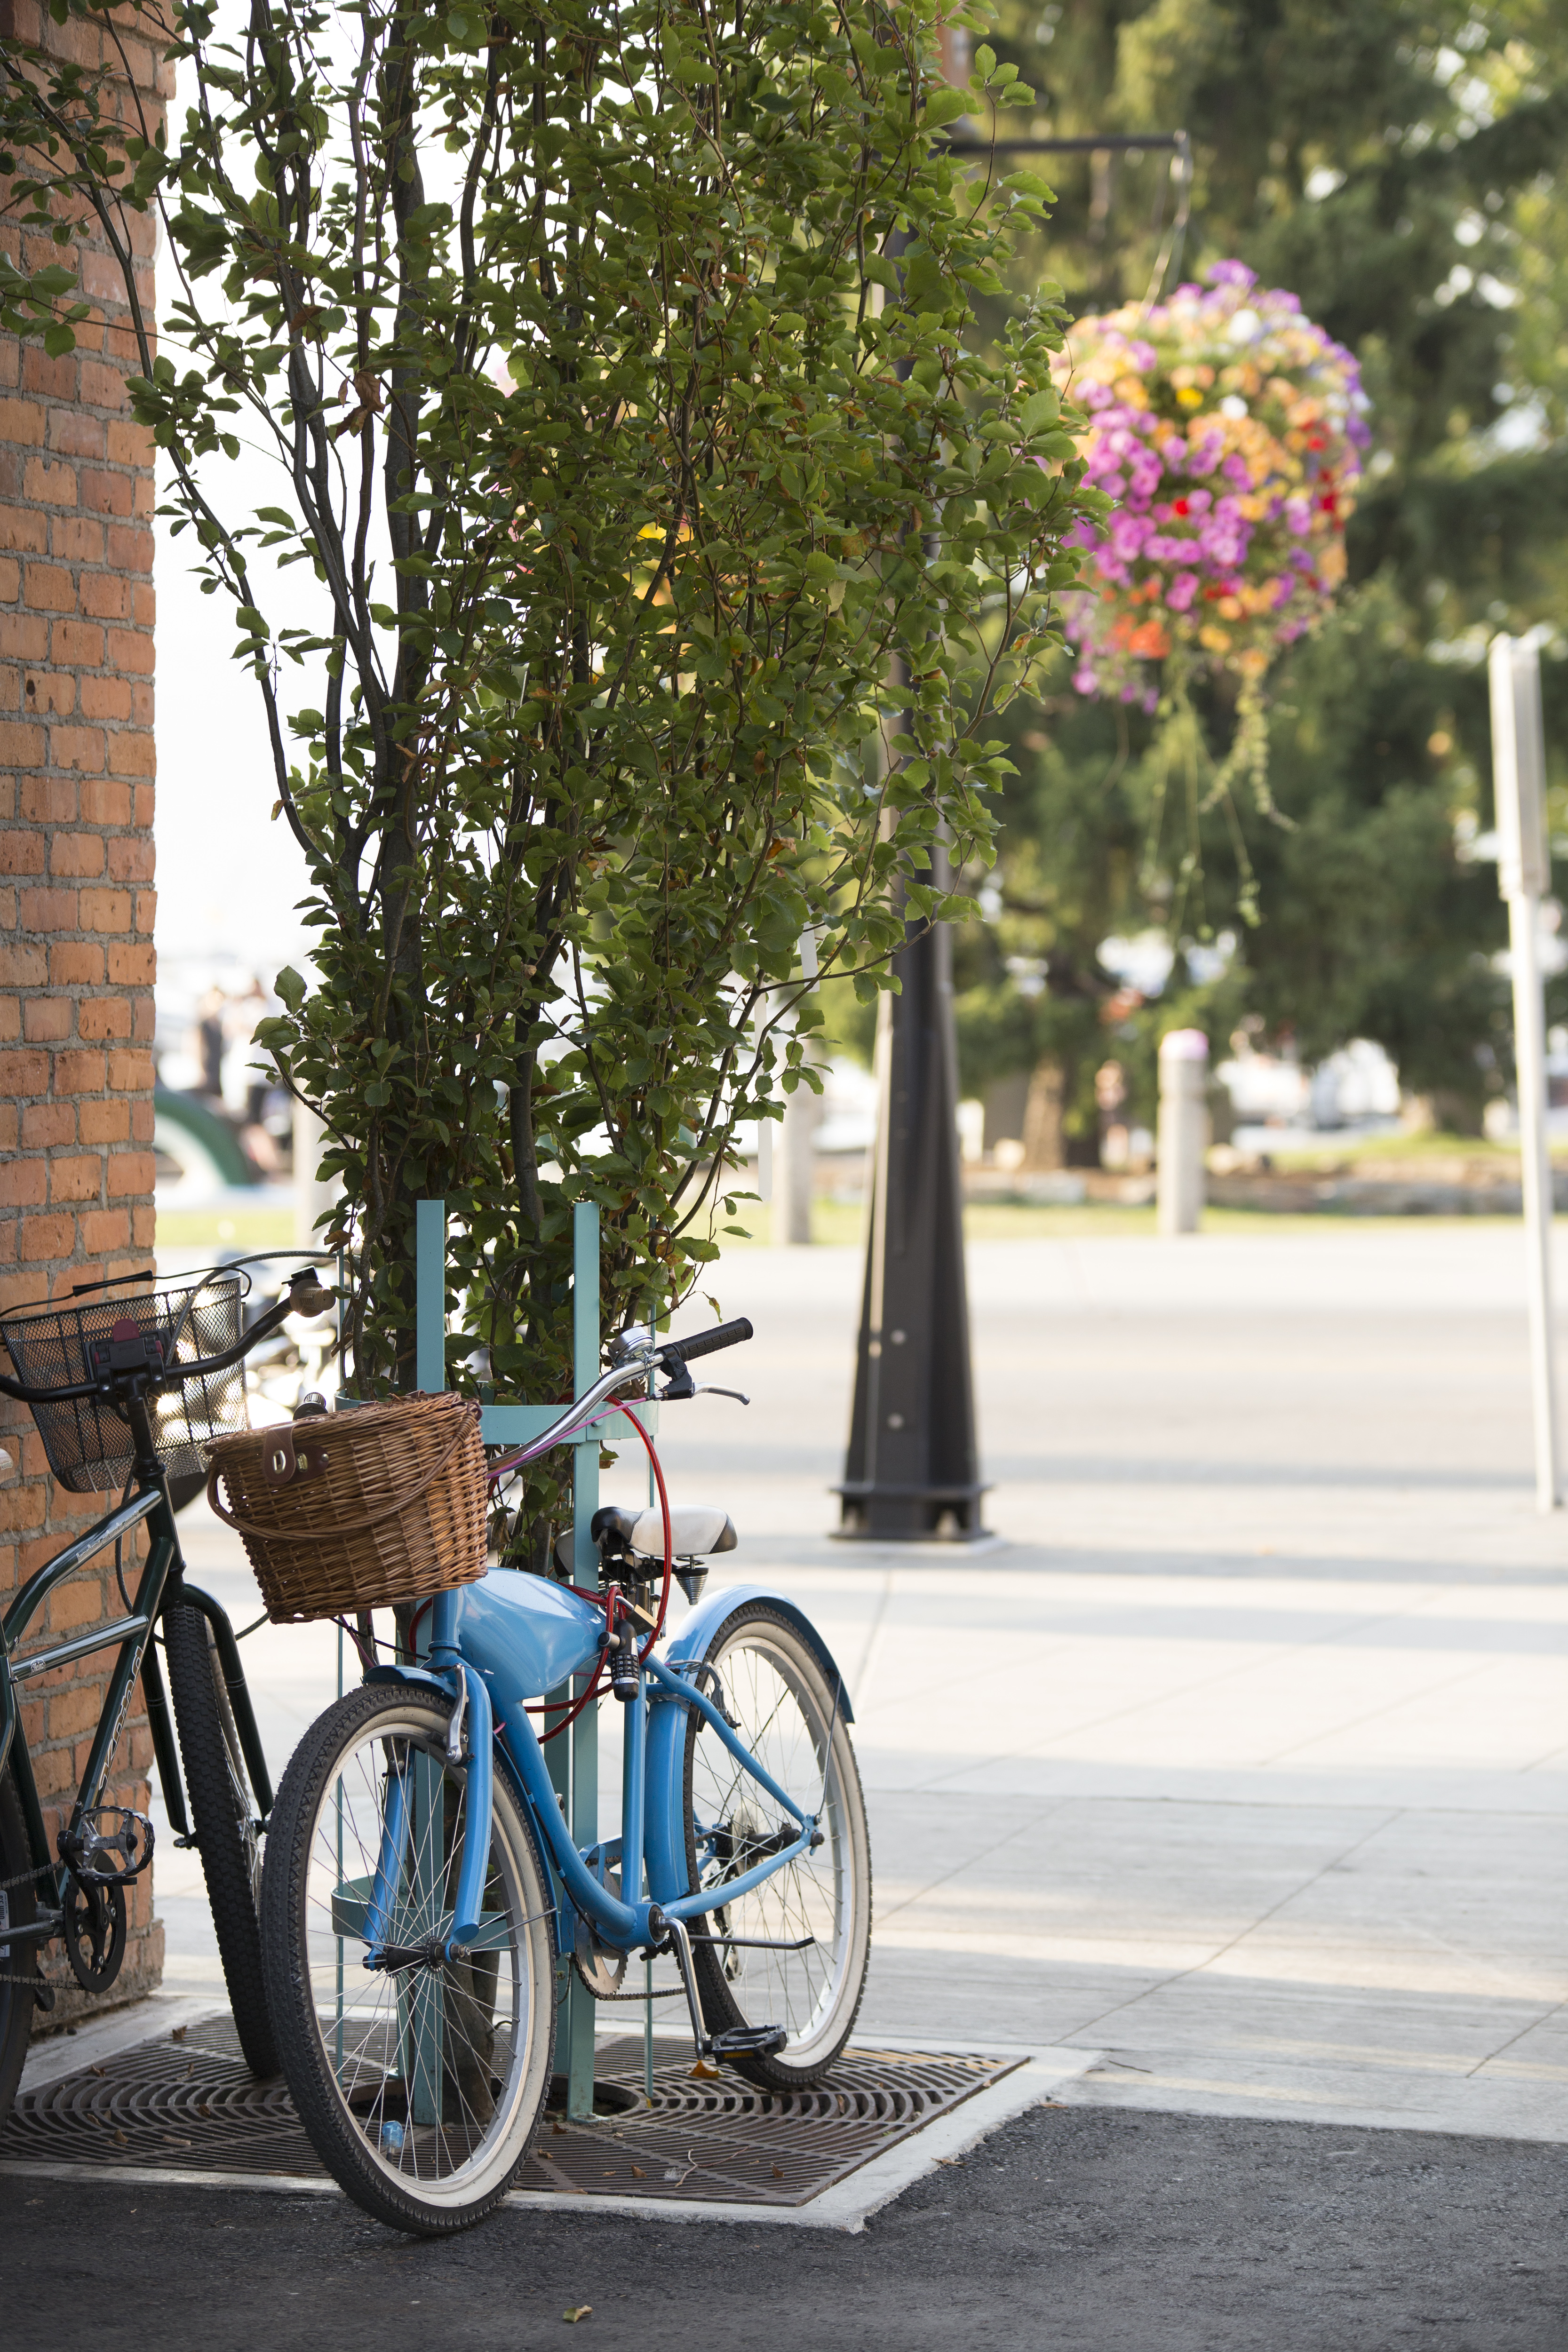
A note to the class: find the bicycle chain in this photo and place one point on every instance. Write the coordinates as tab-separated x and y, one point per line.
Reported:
25	1878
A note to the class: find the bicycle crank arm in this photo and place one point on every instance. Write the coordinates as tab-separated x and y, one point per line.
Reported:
737	2041
37	1931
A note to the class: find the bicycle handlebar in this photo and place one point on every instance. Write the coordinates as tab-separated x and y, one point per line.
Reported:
305	1296
707	1343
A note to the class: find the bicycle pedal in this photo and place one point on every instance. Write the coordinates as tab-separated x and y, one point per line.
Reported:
110	1845
749	2041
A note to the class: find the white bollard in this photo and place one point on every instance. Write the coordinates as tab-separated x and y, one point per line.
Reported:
311	1196
1184	1130
795	1166
1524	877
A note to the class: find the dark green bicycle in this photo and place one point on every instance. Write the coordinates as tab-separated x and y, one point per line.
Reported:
125	1393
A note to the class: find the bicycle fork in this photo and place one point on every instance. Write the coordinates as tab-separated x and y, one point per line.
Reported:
403	1804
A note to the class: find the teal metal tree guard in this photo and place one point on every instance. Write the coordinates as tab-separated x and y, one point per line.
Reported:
573	1759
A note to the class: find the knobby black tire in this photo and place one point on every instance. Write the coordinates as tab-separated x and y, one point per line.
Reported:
750	1988
18	1908
223	1816
324	2079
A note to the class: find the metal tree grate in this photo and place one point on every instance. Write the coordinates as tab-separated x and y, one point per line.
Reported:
191	2106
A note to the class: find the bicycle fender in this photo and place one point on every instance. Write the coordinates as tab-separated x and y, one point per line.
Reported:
417	1678
665	1851
697	1635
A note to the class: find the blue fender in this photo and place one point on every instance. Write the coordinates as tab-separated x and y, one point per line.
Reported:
666	1847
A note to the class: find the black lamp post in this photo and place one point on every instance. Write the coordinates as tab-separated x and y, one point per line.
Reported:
912	1470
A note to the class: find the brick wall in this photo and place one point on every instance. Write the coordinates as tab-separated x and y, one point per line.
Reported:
76	920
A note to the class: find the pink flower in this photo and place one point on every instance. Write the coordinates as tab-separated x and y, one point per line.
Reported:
1172	552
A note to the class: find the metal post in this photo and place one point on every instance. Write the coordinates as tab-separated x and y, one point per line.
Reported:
577	2023
912	1472
419	2014
430	1296
573	1760
1524	875
1184	1130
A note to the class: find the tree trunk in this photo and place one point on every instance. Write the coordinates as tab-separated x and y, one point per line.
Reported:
1044	1130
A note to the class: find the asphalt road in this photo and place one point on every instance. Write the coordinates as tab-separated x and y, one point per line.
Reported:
1079	2230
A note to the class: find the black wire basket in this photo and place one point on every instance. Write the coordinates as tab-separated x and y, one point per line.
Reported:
88	1439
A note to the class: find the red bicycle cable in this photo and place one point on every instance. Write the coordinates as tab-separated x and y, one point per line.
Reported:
549	1707
669	1530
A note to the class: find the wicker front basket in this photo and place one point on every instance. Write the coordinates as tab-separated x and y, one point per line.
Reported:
357	1510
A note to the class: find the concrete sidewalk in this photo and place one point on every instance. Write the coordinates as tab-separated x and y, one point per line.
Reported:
1241	1758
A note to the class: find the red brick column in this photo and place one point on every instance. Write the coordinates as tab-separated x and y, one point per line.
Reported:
76	918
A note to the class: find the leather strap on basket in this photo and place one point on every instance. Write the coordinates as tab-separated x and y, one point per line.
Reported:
465	1419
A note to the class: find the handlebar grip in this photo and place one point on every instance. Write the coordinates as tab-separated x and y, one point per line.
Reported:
705	1343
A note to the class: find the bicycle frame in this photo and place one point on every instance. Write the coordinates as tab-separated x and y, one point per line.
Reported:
652	1790
162	1581
163	1577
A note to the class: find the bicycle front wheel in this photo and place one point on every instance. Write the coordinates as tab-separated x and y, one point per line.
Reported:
421	2084
18	1962
794	1951
224	1815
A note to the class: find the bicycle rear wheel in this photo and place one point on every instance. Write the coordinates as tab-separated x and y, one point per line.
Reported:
421	2087
807	1929
18	1908
224	1815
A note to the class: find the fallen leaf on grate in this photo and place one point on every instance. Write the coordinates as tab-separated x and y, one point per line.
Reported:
179	2033
778	2172
98	2069
637	2172
703	2073
579	2311
121	2140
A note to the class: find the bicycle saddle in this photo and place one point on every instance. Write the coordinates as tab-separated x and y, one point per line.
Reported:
695	1528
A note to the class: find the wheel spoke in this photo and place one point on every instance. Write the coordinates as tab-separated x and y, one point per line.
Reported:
434	2071
792	1723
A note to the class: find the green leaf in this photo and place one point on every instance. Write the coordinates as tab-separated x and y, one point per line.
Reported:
945	106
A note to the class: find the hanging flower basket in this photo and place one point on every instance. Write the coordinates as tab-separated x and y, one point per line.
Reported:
1228	430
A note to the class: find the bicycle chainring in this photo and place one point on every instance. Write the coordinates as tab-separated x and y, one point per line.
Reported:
601	1967
94	1931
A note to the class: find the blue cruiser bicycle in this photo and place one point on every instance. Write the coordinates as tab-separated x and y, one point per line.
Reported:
421	1881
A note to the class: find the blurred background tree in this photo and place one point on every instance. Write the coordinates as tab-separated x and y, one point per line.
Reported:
1401	168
